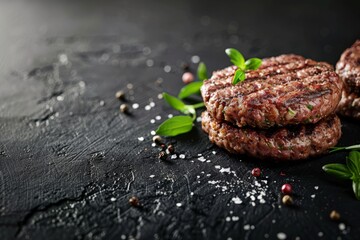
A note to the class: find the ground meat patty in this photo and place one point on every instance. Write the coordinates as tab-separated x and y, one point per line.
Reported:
287	89
349	105
284	143
348	68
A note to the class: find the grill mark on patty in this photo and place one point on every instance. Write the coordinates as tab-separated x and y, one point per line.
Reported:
307	96
275	80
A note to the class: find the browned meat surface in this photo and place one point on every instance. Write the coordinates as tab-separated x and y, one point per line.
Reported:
349	105
285	90
348	68
290	143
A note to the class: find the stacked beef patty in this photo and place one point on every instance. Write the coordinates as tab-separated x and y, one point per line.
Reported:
348	69
284	110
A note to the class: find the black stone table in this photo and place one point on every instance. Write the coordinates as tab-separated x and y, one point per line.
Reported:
70	161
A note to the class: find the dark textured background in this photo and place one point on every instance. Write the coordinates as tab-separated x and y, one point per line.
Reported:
69	161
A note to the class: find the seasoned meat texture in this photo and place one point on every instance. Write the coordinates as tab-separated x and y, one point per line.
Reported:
287	89
348	68
349	105
282	143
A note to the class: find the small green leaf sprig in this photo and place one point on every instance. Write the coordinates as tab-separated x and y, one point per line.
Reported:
348	171
238	60
183	124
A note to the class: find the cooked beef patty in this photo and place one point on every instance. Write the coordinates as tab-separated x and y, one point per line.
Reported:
349	105
348	68
290	143
285	90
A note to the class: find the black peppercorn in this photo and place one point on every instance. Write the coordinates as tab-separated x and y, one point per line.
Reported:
162	155
134	201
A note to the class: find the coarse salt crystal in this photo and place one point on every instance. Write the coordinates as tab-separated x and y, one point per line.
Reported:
135	106
141	139
236	200
281	236
182	156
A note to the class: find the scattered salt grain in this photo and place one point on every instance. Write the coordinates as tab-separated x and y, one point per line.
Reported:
225	170
201	159
153	133
198	119
312	196
320	234
113	199
173	156
152	121
158	117
316	187
247	227
167	68
217	166
178	204
147	107
214	152
151	176
235	218
152	104
342	226
149	62
236	200
135	106
182	156
195	59
170	116
160	96
228	219
281	236
141	139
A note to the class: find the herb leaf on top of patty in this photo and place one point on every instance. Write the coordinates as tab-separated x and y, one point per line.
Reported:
238	60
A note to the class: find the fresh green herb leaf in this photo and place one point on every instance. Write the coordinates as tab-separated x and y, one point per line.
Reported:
202	72
199	105
239	76
236	58
349	171
310	107
253	63
353	147
175	126
356	188
190	89
337	169
291	112
353	163
175	103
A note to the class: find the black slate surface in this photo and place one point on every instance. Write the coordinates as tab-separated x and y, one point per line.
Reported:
69	161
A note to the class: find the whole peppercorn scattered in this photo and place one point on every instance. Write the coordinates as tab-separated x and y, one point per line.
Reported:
163	146
185	67
256	172
124	108
120	95
287	200
286	188
134	201
334	215
171	149
187	77
162	155
157	139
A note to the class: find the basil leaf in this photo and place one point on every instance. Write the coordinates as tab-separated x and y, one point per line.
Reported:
174	102
239	76
189	109
191	88
236	57
353	163
253	63
202	72
356	188
353	147
338	170
175	126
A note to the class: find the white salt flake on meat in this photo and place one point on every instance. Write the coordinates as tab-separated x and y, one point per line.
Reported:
236	200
